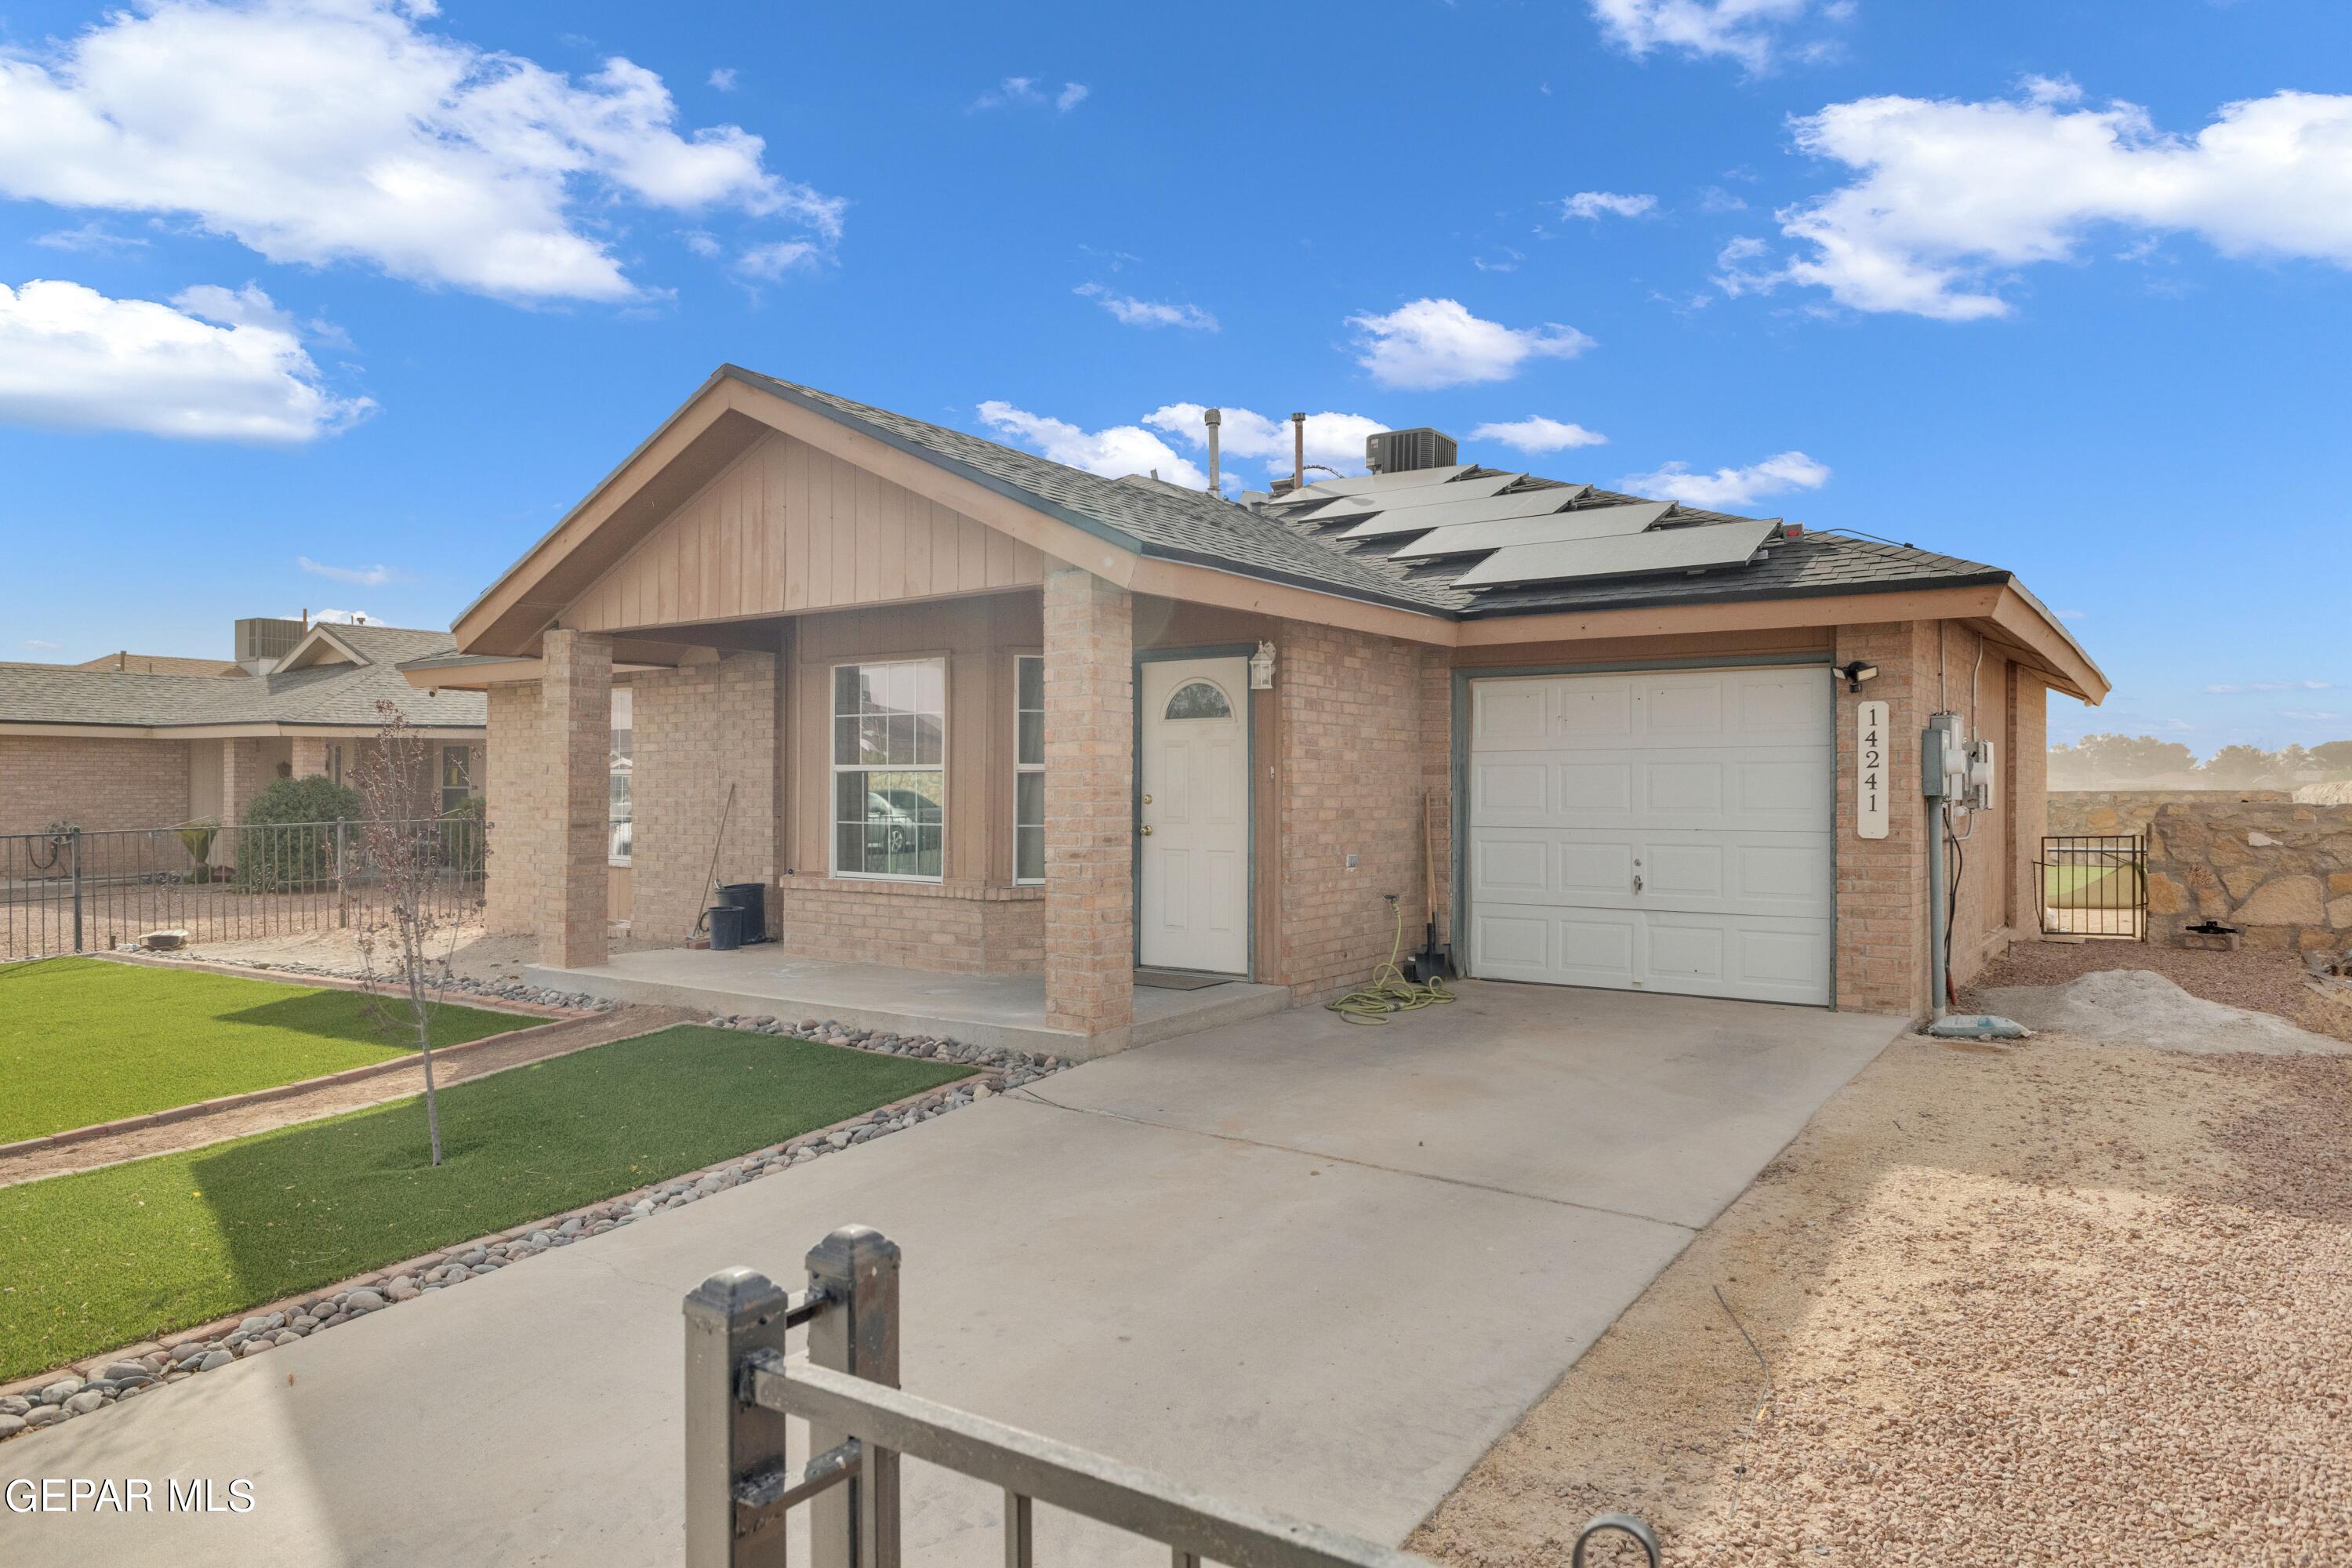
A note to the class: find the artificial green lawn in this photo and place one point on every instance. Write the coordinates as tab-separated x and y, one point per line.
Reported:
93	1261
84	1041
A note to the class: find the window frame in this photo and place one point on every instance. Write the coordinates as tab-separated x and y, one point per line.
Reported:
623	697
835	767
1020	769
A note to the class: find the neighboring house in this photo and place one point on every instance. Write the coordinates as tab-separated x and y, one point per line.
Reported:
963	708
104	747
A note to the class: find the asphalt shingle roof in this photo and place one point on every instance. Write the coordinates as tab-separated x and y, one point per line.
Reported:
1155	518
338	694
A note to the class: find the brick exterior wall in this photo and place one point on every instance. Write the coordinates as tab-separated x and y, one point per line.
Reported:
576	697
1355	749
95	783
700	731
1882	883
950	929
1089	803
518	802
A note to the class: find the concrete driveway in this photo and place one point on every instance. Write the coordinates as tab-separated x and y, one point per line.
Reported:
1312	1267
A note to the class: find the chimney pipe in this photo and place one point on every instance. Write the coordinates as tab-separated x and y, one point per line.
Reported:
1297	451
1212	417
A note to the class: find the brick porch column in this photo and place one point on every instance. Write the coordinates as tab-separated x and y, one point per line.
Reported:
575	695
1089	803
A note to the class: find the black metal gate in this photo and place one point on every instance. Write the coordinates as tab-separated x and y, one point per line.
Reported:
2094	885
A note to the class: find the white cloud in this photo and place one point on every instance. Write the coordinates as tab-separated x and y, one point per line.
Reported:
1028	92
1333	440
37	645
93	236
2073	615
723	79
775	259
703	243
1951	195
1115	453
359	576
1134	312
323	130
71	358
1728	489
1438	343
1508	261
2270	686
342	618
1538	434
1602	204
1072	94
2309	715
1748	31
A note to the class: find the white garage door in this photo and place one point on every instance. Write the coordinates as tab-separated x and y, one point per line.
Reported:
1660	830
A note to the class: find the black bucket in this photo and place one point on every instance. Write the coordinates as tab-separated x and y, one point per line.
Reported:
726	927
752	898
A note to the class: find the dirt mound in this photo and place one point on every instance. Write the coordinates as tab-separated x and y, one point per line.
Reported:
2137	1007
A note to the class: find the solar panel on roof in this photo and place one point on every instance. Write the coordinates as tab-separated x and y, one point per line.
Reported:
1622	555
1593	522
1371	484
1481	508
1428	495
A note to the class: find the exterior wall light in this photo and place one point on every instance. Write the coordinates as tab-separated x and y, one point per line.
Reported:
1262	668
1857	673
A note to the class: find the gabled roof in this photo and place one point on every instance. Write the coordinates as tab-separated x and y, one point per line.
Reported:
340	695
128	663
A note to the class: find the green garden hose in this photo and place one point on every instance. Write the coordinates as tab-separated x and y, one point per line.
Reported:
1390	991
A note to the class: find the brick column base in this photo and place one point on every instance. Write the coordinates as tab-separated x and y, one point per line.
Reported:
575	696
1089	803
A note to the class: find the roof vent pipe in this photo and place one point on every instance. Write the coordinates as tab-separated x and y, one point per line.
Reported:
1212	417
1297	451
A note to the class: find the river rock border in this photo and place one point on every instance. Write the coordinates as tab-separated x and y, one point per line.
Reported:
54	1398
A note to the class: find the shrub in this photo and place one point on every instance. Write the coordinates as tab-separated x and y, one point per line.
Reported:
288	841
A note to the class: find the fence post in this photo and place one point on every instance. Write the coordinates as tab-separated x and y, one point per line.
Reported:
727	1316
855	1525
73	847
343	846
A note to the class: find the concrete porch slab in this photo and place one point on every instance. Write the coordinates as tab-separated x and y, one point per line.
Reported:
993	1010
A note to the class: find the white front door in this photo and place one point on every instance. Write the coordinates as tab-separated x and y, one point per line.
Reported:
1656	830
1192	823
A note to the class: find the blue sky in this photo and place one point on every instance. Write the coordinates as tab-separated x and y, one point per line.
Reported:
339	305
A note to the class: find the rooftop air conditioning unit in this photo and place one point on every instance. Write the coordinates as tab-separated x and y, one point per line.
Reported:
1400	451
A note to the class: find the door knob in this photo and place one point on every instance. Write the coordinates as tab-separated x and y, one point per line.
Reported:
1637	876
1146	800
1147	830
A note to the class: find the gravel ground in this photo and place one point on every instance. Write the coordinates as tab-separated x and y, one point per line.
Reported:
476	956
2263	981
2044	1303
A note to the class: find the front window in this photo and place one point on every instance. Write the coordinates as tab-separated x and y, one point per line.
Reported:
889	769
1029	768
457	776
621	821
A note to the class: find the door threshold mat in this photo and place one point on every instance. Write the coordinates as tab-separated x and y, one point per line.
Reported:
1166	980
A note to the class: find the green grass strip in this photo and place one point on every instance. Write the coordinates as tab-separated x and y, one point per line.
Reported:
93	1261
84	1041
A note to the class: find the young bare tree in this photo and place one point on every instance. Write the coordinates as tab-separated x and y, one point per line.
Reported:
407	927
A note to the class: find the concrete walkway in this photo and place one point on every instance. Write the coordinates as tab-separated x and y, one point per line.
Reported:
1315	1267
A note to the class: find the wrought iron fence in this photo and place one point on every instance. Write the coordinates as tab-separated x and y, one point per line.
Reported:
2094	885
741	1387
74	891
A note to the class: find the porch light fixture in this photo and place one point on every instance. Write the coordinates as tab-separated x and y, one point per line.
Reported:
1857	673
1262	668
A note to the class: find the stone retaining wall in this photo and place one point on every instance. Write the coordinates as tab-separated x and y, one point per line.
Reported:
2280	872
2110	811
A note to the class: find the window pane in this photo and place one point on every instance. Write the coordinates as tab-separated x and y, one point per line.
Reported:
849	797
845	741
902	689
1031	682
902	739
849	848
873	741
927	851
845	690
929	743
1029	738
932	687
1199	699
1029	799
1029	854
870	693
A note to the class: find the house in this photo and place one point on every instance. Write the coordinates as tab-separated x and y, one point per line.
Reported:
131	741
962	709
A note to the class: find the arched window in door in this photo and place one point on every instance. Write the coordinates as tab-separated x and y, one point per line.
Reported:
1198	700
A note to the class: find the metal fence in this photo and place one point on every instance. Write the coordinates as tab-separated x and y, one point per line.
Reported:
2094	885
74	892
741	1387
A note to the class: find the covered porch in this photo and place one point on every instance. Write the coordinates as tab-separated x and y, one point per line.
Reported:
996	1010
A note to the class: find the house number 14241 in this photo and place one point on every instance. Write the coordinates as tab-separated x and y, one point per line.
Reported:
1870	770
